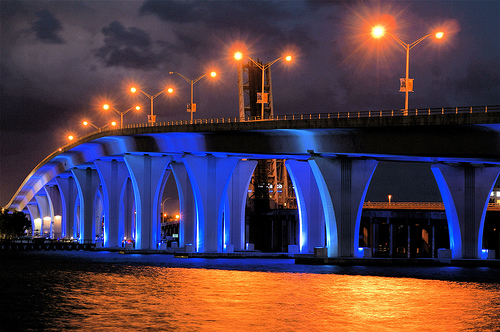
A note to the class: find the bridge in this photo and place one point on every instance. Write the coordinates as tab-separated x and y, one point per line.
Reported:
113	180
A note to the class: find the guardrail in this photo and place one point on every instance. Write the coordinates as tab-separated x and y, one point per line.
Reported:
318	116
415	206
334	115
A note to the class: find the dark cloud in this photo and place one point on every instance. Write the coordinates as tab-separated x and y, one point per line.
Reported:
218	14
259	17
481	82
47	28
129	48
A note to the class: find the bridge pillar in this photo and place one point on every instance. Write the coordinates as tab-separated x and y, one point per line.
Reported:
465	190
209	176
146	173
342	184
54	197
34	212
87	182
127	214
234	215
45	213
187	222
311	215
68	191
113	175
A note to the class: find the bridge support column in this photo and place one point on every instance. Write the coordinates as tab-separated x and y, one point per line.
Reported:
34	212
465	190
146	173
342	184
127	215
187	222
45	213
68	191
87	181
209	178
311	216
113	175
54	197
234	230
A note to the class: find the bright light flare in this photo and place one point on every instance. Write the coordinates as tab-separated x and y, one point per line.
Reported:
137	108
177	216
288	58
170	90
439	35
238	55
378	31
105	106
113	123
71	137
213	74
85	123
133	90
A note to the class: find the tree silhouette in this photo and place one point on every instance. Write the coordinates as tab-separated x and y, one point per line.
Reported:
13	224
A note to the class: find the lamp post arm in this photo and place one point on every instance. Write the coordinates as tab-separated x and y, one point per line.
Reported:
199	78
400	42
269	64
114	109
184	77
125	112
156	95
144	93
261	66
412	45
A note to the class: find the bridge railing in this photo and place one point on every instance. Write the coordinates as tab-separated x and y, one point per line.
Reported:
333	115
416	206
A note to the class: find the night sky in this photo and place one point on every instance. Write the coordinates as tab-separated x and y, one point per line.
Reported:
61	60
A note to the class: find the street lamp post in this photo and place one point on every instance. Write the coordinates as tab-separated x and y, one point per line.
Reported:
152	117
106	107
192	106
263	67
86	123
379	31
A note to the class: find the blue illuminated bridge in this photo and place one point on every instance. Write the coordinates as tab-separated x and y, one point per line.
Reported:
113	180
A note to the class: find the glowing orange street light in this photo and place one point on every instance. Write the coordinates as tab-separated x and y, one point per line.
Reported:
106	107
378	31
264	97
71	137
86	123
151	117
192	106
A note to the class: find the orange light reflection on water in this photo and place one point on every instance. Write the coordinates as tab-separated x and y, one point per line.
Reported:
159	298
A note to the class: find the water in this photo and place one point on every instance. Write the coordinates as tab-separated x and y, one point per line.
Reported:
102	291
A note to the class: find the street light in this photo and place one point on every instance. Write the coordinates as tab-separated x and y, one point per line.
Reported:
192	106
106	107
238	56
86	123
152	117
379	31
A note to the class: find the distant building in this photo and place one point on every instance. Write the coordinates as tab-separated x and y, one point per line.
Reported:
495	196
